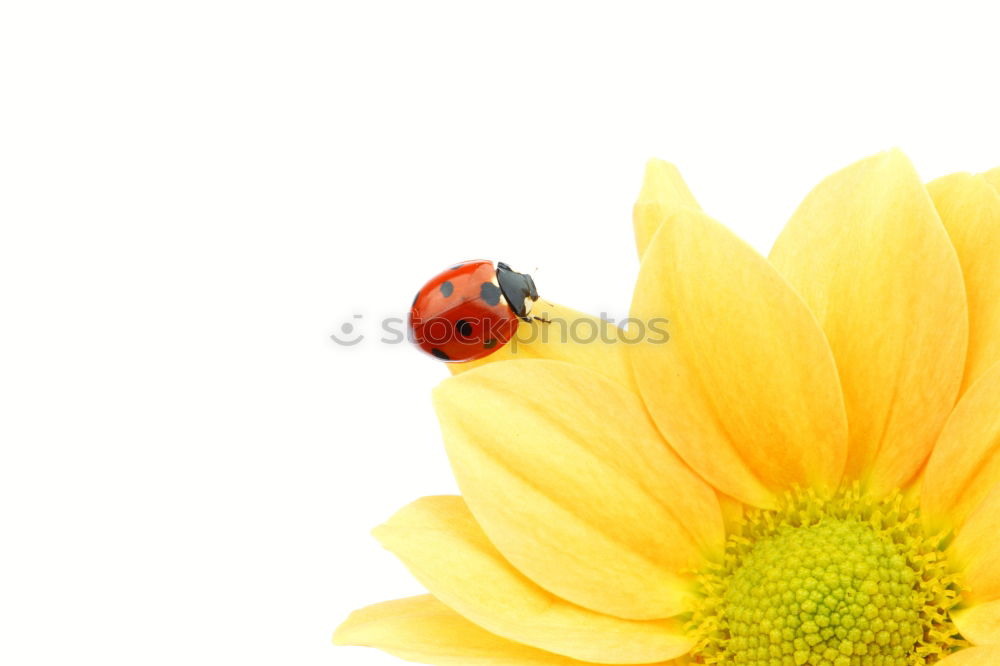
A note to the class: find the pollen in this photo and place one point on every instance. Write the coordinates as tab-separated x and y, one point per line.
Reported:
841	582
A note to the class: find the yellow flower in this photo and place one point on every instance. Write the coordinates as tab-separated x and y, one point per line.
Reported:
806	472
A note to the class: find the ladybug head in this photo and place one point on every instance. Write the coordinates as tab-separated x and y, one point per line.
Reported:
518	288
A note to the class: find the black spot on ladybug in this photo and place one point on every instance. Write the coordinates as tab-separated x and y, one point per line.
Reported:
446	288
415	300
440	354
490	344
464	328
490	293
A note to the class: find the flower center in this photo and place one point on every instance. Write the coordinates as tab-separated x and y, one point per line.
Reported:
824	592
839	582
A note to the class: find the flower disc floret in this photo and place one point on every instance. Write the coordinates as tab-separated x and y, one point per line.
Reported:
844	582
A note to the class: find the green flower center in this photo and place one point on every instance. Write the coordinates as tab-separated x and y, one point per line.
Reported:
842	582
825	592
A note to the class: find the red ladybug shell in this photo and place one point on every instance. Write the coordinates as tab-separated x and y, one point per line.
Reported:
461	314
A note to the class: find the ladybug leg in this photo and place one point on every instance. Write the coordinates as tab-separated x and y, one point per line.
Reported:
542	319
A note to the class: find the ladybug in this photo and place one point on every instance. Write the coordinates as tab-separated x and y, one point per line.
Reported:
470	310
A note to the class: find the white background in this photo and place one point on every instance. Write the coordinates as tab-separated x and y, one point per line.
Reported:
195	195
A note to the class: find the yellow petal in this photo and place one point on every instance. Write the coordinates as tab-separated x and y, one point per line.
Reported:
568	335
732	511
746	389
965	462
970	210
425	630
993	178
663	192
868	253
976	551
980	623
572	482
976	656
441	543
